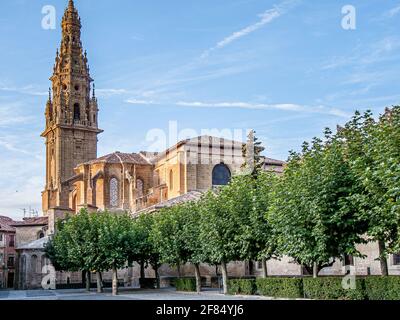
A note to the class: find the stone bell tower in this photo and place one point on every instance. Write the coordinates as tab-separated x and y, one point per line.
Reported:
71	115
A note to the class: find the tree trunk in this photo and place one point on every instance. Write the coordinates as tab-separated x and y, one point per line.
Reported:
315	270
88	280
99	282
157	276
115	282
83	279
179	270
224	277
264	267
382	258
142	270
198	277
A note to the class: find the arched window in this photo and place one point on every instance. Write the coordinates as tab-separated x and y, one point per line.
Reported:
140	188
171	180
221	175
34	260
40	235
114	193
77	112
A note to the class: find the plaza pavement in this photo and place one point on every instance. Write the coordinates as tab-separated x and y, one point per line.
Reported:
125	294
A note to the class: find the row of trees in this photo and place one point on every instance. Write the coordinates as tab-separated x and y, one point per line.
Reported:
336	193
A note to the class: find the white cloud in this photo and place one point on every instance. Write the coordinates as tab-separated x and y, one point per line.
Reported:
29	89
9	115
248	105
379	51
266	17
138	101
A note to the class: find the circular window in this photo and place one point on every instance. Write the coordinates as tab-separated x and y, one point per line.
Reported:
76	88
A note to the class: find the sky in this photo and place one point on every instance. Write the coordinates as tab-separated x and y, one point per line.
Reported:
286	69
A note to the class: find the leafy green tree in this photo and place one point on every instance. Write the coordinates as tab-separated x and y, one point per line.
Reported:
222	218
258	233
143	249
312	213
190	237
115	242
372	149
75	246
167	236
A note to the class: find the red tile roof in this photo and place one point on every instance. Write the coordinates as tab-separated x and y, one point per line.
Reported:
6	224
39	221
117	157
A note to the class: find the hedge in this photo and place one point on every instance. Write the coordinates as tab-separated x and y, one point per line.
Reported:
242	286
280	287
383	288
148	283
331	288
185	284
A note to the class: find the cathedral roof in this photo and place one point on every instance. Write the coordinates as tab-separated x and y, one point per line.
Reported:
6	224
187	197
117	157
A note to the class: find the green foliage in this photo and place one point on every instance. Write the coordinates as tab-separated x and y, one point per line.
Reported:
383	288
330	288
185	284
280	287
143	248
373	152
75	246
312	213
222	218
168	237
116	240
242	286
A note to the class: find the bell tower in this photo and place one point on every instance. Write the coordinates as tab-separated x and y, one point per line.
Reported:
71	115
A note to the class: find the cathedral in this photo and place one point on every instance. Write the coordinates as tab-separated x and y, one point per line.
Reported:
137	183
76	178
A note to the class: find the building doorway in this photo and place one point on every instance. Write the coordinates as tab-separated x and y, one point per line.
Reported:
10	280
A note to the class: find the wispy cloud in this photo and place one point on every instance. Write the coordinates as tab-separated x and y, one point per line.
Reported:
139	101
266	17
9	116
249	106
379	51
29	89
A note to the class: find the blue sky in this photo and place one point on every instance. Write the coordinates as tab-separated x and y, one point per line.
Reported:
285	68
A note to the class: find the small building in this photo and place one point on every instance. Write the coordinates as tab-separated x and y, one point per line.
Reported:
7	253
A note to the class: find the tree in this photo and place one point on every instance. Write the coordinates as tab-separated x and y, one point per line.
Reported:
167	236
258	233
190	236
75	246
222	216
314	217
143	249
372	149
115	242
